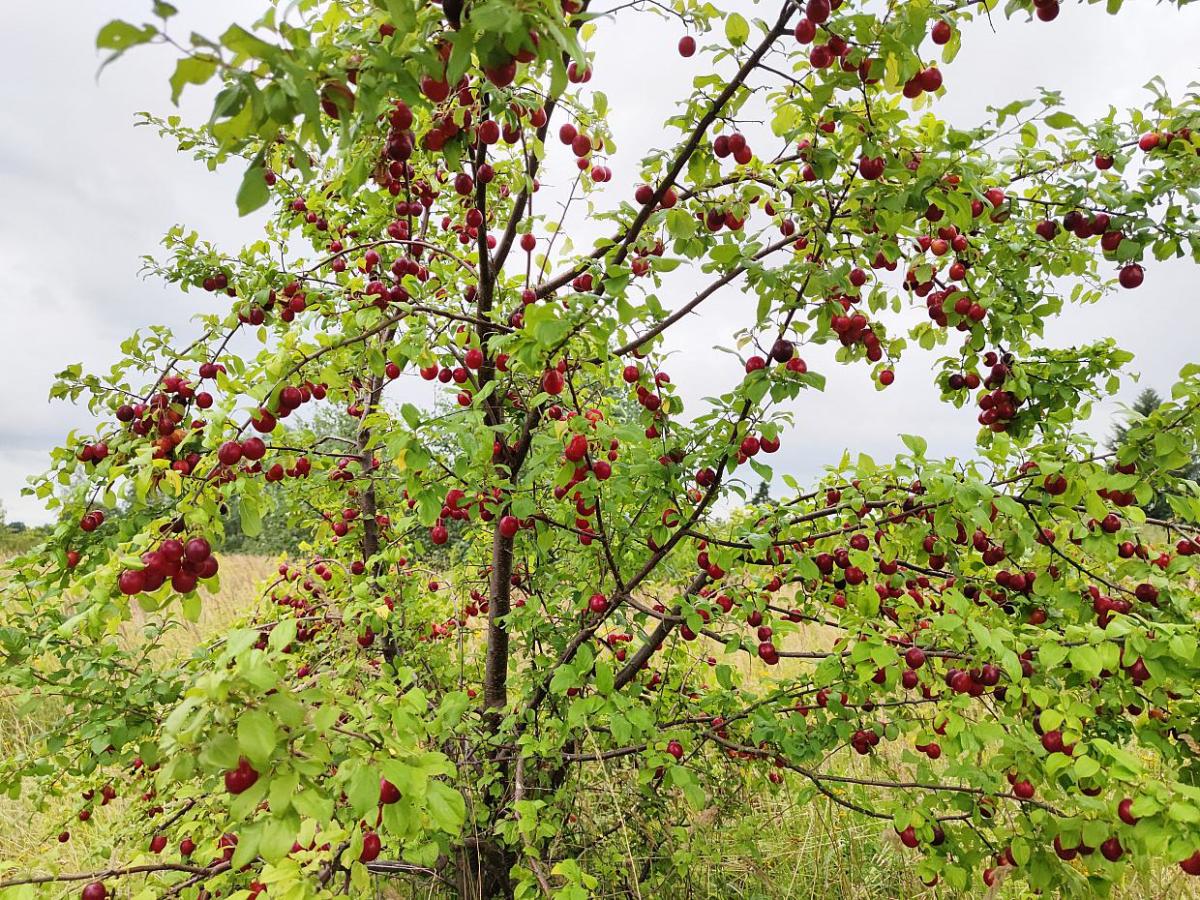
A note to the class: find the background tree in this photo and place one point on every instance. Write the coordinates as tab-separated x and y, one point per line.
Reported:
1147	402
1011	652
762	493
16	536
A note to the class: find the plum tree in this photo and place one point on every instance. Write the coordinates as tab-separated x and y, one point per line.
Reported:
1015	641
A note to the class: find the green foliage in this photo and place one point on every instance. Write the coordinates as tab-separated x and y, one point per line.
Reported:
527	591
1159	506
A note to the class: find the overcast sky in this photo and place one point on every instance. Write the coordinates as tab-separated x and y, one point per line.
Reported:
85	195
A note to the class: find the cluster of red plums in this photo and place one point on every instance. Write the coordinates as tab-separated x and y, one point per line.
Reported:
183	564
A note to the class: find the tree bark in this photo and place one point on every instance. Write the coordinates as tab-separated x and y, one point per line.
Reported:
495	683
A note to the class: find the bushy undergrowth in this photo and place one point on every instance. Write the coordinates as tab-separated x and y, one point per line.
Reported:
749	844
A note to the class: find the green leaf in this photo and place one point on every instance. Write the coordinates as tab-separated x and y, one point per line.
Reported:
256	735
1050	719
316	806
1086	659
254	191
564	678
737	29
191	607
446	806
604	677
282	789
363	790
1182	811
278	835
1062	120
247	845
915	443
221	752
621	728
686	781
251	516
412	415
191	70
282	634
120	36
558	76
241	41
